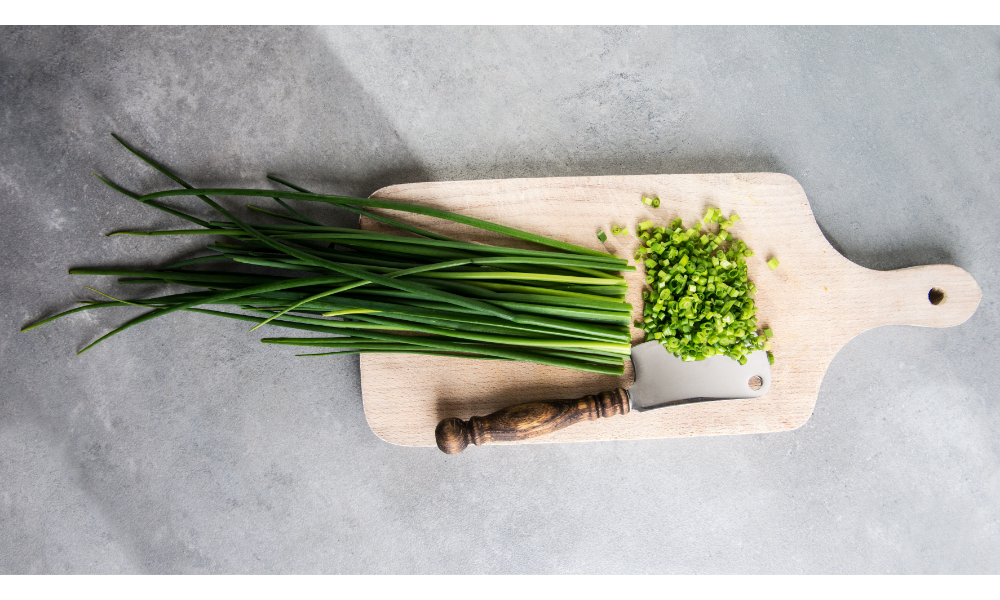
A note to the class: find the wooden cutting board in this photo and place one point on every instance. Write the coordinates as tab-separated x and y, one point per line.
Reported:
815	302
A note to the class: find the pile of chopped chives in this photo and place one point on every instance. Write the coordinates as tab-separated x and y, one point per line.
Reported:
424	293
699	302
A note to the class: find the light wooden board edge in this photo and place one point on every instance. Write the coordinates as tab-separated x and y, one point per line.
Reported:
824	299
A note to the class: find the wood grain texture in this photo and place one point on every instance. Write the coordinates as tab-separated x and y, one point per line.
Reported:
528	420
815	302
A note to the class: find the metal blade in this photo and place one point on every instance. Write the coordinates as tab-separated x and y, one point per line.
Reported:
662	379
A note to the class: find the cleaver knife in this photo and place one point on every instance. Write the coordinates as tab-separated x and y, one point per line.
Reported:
661	380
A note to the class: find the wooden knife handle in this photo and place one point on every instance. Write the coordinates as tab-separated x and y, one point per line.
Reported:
528	420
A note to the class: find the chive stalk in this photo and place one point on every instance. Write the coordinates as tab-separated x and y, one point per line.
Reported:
418	292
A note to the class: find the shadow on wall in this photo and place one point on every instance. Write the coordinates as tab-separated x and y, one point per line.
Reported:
220	104
216	105
209	103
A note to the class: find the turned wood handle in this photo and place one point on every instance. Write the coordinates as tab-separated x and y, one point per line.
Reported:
528	420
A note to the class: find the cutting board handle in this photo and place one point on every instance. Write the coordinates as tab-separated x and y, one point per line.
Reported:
927	296
528	420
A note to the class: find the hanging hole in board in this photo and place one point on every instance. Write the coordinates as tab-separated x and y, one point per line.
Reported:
755	383
936	296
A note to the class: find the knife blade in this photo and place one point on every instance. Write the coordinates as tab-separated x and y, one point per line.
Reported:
661	380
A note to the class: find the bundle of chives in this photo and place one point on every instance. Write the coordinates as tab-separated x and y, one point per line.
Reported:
423	293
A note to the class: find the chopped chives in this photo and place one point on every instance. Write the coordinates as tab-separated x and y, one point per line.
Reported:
773	263
699	302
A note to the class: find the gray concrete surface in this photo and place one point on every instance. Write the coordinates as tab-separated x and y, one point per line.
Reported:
183	446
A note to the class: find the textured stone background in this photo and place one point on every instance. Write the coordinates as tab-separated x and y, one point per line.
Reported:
182	446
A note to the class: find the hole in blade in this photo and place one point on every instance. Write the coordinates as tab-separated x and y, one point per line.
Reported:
755	383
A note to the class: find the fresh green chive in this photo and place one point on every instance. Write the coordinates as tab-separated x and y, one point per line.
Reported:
564	306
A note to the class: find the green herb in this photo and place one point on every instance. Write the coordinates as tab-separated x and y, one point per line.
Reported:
602	236
563	305
699	302
773	263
